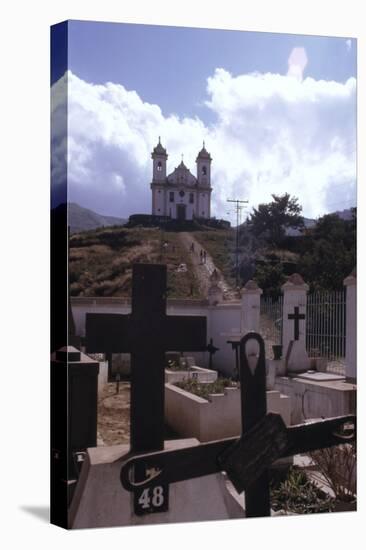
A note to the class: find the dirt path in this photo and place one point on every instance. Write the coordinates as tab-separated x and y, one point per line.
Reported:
114	415
204	269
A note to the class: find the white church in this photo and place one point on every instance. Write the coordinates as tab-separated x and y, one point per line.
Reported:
181	195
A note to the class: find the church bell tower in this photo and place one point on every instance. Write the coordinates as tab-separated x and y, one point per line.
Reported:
159	157
203	162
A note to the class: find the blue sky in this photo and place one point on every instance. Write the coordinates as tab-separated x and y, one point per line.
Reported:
169	66
260	118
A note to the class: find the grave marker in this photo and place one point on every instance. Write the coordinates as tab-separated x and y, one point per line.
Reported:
265	438
147	333
296	317
297	359
211	350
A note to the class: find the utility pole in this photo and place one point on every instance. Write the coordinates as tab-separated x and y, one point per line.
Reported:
238	207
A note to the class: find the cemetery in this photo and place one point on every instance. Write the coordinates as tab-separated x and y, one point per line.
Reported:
203	303
212	416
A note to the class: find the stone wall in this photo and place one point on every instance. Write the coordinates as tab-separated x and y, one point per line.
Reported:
223	320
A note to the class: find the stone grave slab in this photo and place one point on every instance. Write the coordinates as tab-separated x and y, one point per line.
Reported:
320	376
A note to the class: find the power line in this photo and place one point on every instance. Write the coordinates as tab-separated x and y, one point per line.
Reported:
239	205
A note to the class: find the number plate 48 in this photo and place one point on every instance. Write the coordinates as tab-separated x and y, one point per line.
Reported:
151	499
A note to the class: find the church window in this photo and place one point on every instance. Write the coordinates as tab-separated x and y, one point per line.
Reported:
204	170
181	193
159	166
171	196
191	198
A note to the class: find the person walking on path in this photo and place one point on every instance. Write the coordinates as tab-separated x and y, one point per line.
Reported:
204	256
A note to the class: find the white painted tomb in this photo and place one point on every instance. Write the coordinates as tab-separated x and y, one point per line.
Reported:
219	417
317	398
297	359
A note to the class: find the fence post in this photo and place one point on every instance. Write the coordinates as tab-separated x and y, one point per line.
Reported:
250	307
351	325
294	296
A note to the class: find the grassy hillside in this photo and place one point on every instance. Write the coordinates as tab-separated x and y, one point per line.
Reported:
100	261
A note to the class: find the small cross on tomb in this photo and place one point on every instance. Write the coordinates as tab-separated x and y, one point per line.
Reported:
296	316
211	350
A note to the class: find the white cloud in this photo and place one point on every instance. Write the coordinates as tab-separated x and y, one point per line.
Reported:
297	62
272	134
283	134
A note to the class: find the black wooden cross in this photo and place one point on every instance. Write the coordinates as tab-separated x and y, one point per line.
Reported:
246	459
296	316
147	333
211	350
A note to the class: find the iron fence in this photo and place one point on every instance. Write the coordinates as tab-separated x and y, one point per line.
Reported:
270	326
325	325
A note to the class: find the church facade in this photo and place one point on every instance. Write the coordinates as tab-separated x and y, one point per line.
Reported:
181	195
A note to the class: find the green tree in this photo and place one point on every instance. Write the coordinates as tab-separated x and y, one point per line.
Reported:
271	220
331	252
270	278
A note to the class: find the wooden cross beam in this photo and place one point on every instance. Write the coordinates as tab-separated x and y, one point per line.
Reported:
246	459
147	333
296	316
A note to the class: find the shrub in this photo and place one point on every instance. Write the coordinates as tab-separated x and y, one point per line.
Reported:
202	389
337	470
298	495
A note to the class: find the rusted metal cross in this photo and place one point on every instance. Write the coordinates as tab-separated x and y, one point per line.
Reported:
246	459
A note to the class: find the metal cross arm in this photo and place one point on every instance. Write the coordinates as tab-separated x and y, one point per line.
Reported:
245	458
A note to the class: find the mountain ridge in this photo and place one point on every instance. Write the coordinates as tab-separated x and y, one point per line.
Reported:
84	219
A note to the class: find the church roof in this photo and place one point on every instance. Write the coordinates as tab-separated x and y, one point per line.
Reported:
182	176
204	154
159	149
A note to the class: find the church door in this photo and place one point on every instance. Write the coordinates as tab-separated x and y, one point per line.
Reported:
181	211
